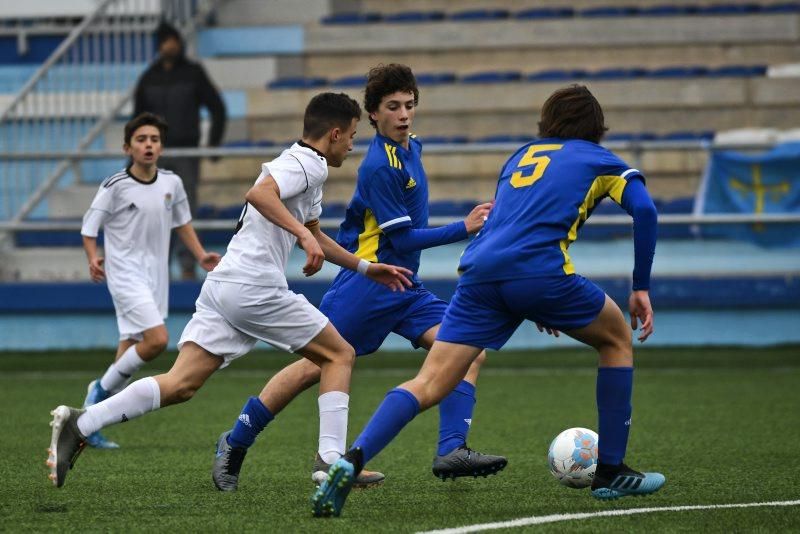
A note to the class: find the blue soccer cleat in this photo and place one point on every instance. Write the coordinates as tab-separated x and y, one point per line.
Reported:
94	394
626	482
329	498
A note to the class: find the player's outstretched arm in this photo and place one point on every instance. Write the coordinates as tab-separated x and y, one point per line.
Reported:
395	278
207	260
265	197
96	271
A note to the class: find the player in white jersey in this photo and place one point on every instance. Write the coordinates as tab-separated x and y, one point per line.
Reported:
137	209
246	298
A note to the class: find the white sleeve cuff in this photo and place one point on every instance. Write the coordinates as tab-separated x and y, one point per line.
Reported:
387	224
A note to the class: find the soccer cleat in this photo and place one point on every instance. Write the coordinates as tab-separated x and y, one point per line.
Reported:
625	482
464	462
365	479
94	394
227	464
66	443
329	498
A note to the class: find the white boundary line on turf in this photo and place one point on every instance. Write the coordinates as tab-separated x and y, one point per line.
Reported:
555	518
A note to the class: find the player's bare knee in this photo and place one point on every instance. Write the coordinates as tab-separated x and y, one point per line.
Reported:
311	373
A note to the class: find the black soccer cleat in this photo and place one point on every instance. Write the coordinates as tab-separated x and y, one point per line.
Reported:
464	462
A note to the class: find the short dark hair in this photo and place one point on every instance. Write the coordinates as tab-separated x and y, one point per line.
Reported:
145	119
327	111
386	80
572	113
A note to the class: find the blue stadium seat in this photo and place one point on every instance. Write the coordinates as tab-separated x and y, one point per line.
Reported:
556	75
619	136
678	72
617	73
728	9
206	211
667	10
444	140
435	78
362	141
515	139
679	206
738	71
267	143
609	11
230	212
240	143
414	17
492	77
545	13
298	82
685	135
479	15
352	18
359	80
451	208
334	210
785	7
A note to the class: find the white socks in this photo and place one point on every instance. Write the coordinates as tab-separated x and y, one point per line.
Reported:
120	372
332	425
137	399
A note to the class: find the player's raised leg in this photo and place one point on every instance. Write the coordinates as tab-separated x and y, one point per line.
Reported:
132	354
453	457
328	359
71	426
444	367
611	337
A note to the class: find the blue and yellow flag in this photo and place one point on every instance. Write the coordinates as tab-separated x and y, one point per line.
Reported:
747	184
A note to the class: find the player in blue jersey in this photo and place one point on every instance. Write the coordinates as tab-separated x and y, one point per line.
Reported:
519	268
387	220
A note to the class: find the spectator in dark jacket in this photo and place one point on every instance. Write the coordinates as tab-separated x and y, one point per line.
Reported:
176	88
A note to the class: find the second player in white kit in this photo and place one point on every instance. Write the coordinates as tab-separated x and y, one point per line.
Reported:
246	298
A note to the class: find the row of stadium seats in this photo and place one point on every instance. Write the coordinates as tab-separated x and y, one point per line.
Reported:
680	135
550	75
471	15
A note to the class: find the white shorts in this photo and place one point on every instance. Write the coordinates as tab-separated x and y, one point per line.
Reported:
232	317
135	321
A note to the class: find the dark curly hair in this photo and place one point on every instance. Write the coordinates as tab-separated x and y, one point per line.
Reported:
385	80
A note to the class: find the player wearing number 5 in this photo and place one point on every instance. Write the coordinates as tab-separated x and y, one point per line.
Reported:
519	268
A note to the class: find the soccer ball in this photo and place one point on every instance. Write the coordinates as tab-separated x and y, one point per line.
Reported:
573	457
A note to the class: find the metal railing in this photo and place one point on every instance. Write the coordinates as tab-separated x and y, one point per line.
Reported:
82	87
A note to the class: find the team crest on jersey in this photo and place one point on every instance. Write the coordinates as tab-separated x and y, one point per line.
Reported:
411	183
168	201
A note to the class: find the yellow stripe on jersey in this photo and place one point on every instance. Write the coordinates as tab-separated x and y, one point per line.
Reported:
391	153
368	239
613	186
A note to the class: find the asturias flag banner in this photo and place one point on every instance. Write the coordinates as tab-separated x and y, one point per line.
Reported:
747	184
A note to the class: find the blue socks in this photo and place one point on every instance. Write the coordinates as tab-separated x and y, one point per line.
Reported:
254	417
455	417
397	409
614	389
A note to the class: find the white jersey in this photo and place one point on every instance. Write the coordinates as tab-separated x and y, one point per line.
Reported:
137	218
259	251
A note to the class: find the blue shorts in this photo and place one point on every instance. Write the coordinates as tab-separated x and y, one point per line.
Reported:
486	315
365	312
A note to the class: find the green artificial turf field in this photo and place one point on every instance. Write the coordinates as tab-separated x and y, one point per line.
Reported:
723	425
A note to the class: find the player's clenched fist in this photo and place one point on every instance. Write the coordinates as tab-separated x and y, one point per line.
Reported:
477	217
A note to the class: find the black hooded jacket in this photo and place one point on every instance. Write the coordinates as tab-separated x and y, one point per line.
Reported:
177	95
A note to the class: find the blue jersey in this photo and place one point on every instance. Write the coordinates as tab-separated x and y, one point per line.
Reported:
391	193
545	192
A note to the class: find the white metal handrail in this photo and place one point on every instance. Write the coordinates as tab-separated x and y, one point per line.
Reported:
73	97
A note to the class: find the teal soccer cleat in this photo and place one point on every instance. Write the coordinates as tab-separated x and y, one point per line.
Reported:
626	482
329	498
94	394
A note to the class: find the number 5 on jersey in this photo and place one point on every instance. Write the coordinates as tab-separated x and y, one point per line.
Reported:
540	163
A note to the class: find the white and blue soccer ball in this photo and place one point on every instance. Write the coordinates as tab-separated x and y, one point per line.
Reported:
573	457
